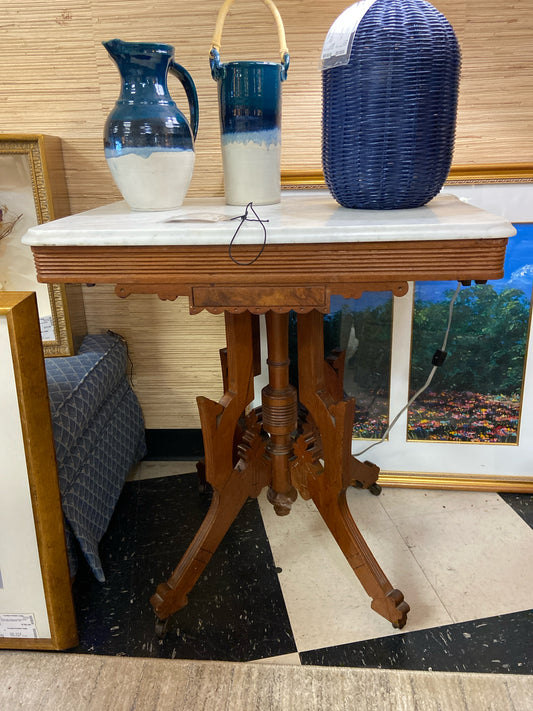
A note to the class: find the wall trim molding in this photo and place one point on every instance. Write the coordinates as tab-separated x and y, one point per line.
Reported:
459	174
491	173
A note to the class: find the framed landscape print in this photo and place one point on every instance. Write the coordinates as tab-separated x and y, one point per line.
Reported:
477	397
472	427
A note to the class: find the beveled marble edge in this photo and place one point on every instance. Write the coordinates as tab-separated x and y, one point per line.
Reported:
306	217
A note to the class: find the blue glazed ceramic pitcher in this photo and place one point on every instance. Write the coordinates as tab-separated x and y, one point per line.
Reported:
249	94
148	142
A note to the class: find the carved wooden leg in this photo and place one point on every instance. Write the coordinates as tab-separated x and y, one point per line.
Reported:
280	412
226	504
237	435
232	485
327	485
334	373
363	474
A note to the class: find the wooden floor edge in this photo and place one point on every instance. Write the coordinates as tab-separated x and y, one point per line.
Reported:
30	643
456	482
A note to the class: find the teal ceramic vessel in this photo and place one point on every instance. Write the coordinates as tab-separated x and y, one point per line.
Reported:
249	96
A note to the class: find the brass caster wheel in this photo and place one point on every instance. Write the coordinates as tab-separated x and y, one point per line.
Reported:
399	625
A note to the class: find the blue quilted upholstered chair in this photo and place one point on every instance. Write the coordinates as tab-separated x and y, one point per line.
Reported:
99	435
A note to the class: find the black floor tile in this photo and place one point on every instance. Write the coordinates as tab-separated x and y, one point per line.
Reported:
499	644
236	611
522	504
173	444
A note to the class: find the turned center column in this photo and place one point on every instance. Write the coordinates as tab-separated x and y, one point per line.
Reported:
280	412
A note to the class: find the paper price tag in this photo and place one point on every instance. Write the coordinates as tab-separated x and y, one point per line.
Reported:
339	40
199	217
17	626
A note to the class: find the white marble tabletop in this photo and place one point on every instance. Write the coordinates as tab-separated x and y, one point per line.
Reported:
310	216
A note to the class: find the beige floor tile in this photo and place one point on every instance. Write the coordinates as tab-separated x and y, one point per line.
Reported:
153	470
474	549
326	603
406	503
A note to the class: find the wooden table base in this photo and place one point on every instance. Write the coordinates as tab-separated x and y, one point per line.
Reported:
287	445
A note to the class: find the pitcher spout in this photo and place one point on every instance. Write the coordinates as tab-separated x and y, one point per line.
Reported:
115	47
152	52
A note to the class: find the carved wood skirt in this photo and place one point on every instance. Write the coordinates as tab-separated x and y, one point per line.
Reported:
289	276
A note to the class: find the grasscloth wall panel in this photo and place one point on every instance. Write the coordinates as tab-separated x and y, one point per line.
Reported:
57	79
174	356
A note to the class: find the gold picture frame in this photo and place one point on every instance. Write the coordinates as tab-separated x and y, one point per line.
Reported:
33	190
34	455
471	174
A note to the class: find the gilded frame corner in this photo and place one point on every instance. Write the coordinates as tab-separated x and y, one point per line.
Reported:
51	201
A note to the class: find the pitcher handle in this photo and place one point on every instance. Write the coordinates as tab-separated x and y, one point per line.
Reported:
190	89
217	36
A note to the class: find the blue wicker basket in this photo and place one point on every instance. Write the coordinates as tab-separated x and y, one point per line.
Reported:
388	123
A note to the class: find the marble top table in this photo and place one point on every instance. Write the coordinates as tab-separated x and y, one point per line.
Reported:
301	217
314	248
311	243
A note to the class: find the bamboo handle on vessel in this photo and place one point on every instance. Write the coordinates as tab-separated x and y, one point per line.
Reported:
217	36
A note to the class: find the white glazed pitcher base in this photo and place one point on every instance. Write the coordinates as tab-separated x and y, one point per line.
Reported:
251	173
157	182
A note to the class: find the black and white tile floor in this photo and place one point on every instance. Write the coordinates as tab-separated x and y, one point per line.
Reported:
279	589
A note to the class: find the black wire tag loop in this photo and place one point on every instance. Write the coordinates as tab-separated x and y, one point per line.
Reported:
244	218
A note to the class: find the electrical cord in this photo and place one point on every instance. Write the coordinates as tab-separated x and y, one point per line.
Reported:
437	360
